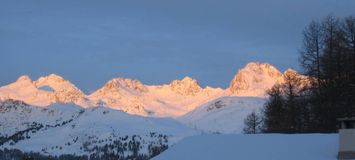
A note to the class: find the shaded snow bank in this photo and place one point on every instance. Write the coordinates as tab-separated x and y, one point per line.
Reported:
223	115
255	147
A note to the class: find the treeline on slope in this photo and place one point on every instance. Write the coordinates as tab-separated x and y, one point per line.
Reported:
103	153
111	148
328	59
107	152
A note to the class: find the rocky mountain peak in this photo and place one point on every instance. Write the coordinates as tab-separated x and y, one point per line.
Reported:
185	86
54	77
51	80
125	83
291	74
188	79
262	68
290	71
24	78
57	83
63	90
254	79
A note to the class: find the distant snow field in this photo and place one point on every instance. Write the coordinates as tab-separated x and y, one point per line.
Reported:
255	147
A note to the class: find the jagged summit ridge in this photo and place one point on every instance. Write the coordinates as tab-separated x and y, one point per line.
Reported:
23	78
52	77
290	70
186	86
125	83
122	94
173	99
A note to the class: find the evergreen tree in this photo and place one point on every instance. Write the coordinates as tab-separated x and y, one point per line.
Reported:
285	111
274	111
252	123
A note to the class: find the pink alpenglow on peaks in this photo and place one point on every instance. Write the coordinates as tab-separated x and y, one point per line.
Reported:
175	99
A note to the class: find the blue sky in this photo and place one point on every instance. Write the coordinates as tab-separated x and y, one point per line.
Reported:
89	42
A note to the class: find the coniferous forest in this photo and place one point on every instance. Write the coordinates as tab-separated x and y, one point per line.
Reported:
312	103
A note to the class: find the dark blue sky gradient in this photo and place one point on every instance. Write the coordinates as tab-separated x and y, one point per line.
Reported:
155	41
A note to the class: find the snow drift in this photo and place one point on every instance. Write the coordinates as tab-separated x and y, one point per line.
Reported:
255	147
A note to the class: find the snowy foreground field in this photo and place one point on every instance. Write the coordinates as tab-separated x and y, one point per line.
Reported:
255	147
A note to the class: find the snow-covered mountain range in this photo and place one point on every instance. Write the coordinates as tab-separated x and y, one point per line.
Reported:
172	100
132	118
168	100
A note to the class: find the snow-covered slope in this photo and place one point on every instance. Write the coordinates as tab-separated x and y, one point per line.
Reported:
222	115
18	116
255	147
70	130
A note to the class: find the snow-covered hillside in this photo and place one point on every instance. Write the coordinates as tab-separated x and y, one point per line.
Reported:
255	147
17	116
222	115
66	129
